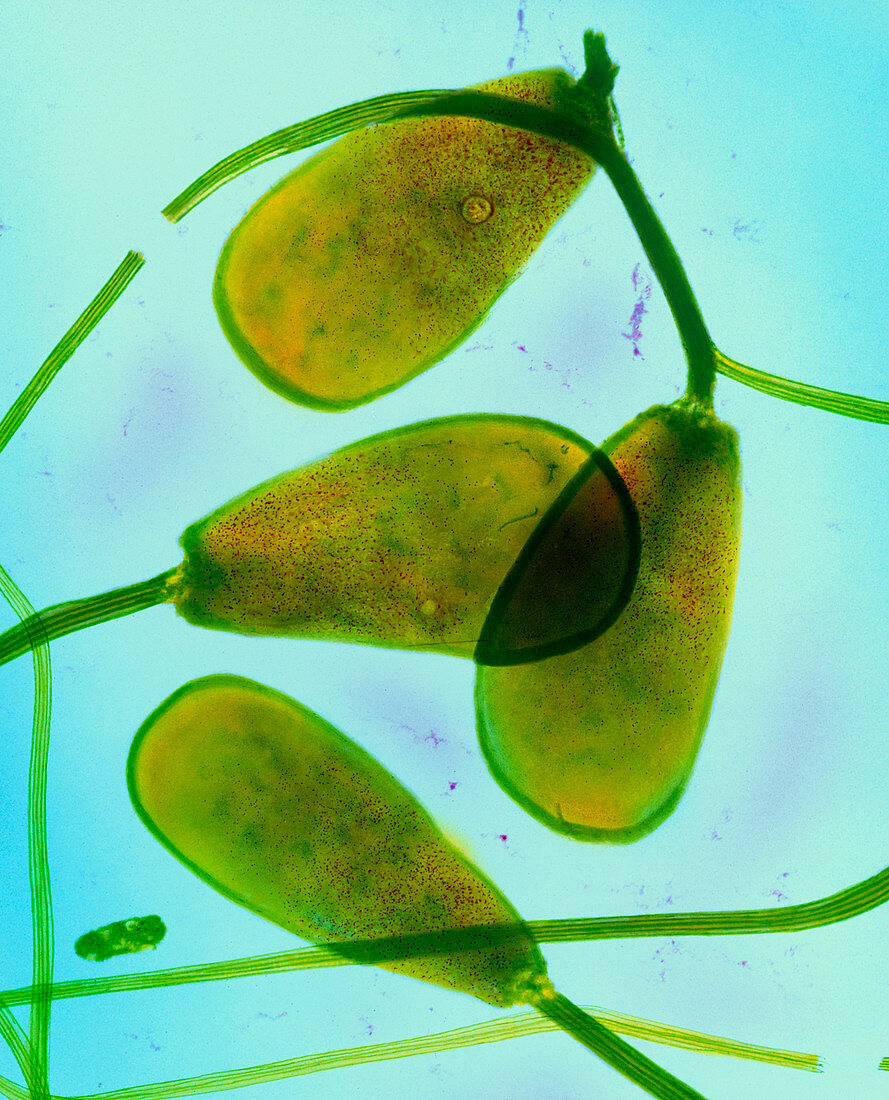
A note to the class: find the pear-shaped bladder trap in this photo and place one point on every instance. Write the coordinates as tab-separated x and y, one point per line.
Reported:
599	742
283	814
404	540
383	252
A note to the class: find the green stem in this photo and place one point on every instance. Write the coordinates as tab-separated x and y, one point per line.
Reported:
667	267
290	140
38	861
843	905
492	1031
612	1049
504	111
16	1039
801	393
64	618
70	342
42	940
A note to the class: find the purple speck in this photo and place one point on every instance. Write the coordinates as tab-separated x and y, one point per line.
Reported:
746	231
521	33
643	292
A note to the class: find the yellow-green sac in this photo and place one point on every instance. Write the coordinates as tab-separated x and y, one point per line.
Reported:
399	540
383	252
283	814
599	743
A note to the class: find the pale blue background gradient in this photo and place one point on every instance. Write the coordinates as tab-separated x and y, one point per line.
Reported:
759	130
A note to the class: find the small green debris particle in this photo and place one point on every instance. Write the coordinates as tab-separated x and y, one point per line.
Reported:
123	937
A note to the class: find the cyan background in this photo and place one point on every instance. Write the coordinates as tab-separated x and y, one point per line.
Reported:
759	130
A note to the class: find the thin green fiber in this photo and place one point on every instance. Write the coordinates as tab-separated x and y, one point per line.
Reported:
38	863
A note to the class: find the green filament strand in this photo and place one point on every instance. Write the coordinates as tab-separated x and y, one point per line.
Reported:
38	863
120	279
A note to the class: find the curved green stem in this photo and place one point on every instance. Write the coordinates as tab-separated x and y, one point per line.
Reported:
600	145
667	267
290	140
64	618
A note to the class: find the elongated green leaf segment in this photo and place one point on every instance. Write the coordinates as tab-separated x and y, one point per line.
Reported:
66	618
400	540
573	576
599	743
382	253
514	1026
282	813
